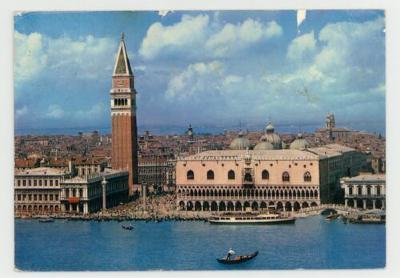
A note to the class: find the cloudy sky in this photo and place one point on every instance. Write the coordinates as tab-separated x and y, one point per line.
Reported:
205	67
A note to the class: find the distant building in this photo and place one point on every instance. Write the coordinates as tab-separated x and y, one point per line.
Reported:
190	132
37	190
331	131
90	193
26	163
87	167
259	179
336	161
365	191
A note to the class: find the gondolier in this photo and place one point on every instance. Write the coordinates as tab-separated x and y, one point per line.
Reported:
230	253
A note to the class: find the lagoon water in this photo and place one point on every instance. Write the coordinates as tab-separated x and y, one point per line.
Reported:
311	243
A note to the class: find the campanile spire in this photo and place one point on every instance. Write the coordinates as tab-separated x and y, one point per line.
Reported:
123	115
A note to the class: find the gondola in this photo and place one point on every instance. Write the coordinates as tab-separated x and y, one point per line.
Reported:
237	259
46	220
127	227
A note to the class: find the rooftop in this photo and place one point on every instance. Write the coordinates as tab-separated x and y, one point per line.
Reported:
41	171
367	177
255	155
108	173
330	150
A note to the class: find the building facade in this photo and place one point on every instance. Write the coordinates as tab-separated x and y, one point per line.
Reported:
365	191
157	172
37	190
285	180
123	115
90	193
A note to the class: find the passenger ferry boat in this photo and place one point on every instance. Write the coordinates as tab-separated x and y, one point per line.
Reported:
250	218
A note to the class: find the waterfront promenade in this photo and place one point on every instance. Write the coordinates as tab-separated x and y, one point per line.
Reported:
163	207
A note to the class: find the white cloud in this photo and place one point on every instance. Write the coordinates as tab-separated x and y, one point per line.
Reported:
96	111
349	45
36	54
197	80
29	59
232	79
21	111
201	35
233	37
301	46
54	112
189	32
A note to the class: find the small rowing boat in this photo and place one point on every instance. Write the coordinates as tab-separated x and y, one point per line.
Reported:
237	259
46	220
127	227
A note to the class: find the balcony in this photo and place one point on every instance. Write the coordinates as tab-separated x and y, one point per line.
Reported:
248	178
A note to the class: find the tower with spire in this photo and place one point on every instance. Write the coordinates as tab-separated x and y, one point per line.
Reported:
123	117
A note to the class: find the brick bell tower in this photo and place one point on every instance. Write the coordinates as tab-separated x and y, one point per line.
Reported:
123	116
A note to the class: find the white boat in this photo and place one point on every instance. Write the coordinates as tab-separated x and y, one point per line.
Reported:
250	218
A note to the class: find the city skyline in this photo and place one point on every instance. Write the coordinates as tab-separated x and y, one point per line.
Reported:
63	60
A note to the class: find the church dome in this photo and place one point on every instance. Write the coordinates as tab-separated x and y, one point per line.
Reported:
272	137
300	143
264	145
240	143
269	128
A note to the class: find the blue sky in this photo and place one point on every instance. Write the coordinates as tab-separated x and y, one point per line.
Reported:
202	67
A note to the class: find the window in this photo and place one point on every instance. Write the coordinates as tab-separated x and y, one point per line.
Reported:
307	177
265	175
210	175
285	176
51	182
40	197
35	197
368	190
29	182
190	175
350	190
45	197
24	183
19	197
19	182
231	175
56	197
248	177
378	190
56	182
51	197
40	182
359	190
34	182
